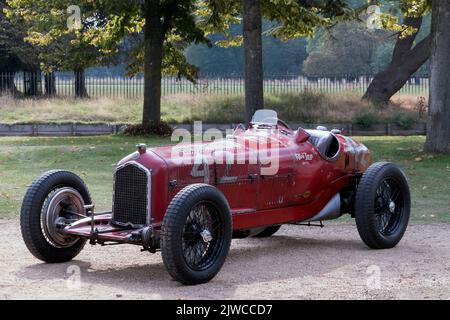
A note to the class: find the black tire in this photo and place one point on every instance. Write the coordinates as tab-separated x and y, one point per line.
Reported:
382	206
180	234
267	232
33	232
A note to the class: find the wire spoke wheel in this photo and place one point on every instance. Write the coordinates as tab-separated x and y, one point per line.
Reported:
388	206
382	205
196	234
202	236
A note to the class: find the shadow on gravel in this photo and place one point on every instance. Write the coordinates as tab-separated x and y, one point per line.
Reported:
249	261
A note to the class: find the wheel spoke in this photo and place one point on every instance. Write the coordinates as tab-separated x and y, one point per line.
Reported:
388	205
198	252
396	194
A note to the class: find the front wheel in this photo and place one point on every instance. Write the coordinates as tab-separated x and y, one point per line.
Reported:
56	197
382	206
196	234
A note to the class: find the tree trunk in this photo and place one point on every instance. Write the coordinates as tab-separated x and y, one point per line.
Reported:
252	30
406	60
80	84
154	40
50	84
438	133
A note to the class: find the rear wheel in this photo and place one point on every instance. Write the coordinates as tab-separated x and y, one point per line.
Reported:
196	234
53	199
382	206
267	232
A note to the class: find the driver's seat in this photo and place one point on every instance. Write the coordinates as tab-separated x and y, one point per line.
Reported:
325	142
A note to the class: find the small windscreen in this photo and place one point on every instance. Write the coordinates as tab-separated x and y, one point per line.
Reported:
268	117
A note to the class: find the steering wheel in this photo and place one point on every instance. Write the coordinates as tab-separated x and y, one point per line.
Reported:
284	124
279	122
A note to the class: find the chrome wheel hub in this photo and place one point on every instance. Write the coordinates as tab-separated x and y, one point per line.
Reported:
64	205
392	206
206	236
202	235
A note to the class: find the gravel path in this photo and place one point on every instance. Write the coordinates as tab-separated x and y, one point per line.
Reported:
297	263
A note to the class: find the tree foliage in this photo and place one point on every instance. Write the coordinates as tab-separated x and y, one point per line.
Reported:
15	54
286	19
348	49
280	57
60	47
105	25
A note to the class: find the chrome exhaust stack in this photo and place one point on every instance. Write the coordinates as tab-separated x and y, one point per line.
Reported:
331	211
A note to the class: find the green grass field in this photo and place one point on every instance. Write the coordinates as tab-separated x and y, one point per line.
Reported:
93	158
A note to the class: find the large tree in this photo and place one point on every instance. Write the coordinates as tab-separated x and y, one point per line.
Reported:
290	20
407	57
169	26
253	55
438	133
157	32
410	54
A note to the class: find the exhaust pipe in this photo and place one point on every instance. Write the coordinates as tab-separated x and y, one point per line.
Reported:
331	211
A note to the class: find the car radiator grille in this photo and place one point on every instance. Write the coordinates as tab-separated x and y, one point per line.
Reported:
131	192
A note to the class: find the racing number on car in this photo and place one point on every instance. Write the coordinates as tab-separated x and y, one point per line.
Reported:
229	159
197	170
201	169
226	175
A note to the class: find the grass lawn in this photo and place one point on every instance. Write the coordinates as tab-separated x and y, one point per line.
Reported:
93	158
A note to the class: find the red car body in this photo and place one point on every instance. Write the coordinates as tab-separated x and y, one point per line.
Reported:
315	167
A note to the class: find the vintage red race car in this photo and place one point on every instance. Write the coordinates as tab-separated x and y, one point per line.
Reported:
189	200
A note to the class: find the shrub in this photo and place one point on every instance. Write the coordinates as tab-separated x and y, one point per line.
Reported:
219	109
366	119
161	129
404	120
306	107
421	107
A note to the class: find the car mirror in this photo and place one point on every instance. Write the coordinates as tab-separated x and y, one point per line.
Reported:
301	136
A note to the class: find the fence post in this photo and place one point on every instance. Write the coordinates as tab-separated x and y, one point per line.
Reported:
350	129
388	129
